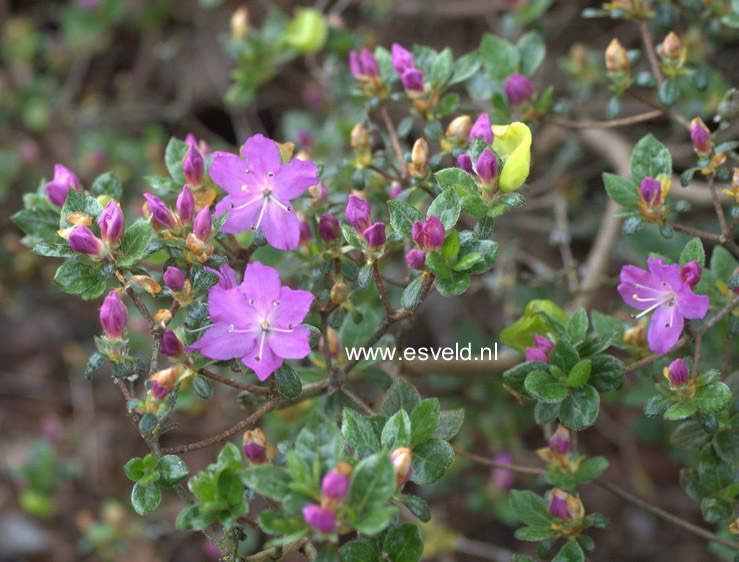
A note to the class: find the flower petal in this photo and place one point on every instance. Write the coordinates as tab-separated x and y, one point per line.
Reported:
291	346
665	328
222	344
267	363
262	285
263	156
228	171
243	212
294	306
642	284
281	228
293	179
691	305
669	274
231	307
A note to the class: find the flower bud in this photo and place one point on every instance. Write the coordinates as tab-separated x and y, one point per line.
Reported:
163	382
185	204
429	234
402	59
700	135
419	157
677	373
487	166
558	504
193	166
171	346
540	351
691	273
459	129
328	227
203	225
375	235
359	138
335	484
402	459
412	80
110	222
113	316
174	279
395	190
240	23
650	191
518	88
161	213
503	479
559	442
255	445
320	518
83	241
617	59
482	129
358	213
670	48
305	233
339	292
464	161
363	65
64	180
415	258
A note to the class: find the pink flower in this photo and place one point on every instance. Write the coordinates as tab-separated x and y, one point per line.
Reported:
64	180
428	235
320	518
540	351
259	190
257	321
662	290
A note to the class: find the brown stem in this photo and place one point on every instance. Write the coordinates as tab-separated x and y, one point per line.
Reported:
696	232
278	552
646	37
142	308
512	467
361	404
381	290
590	124
236	384
394	141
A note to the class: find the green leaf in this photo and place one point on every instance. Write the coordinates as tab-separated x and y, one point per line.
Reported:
77	202
468	261
580	373
162	183
650	158
437	264
145	499
472	204
530	508
689	435
288	381
448	104
656	406
38	222
397	431
712	397
570	552
417	506
319	442
174	154
376	521
545	413
454	285
202	387
442	69
268	481
411	296
135	243
713	473
534	534
372	485
726	444
431	460
693	251
516	376
457	179
54	250
498	56
450	422
607	326
172	470
579	410
577	325
358	551
590	469
78	277
134	468
192	517
403	543
564	356
531	51
543	386
352	238
606	373
669	92
446	207
401	395
450	248
424	420
679	410
597	520
465	67
402	217
95	361
108	184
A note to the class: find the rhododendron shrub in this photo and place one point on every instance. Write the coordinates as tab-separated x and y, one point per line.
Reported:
256	268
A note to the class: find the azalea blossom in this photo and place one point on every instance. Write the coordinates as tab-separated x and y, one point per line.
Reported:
257	321
259	190
663	291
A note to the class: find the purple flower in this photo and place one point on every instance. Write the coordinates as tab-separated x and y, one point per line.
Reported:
677	373
650	191
428	235
690	273
174	279
558	504
464	161
257	321
64	180
161	213
83	241
358	213
363	65
661	290
113	316
328	227
375	235
415	258
412	80
335	485
540	351
259	190
193	166
110	222
203	225
395	190
226	277
482	129
171	345
518	88
487	166
186	205
321	518
503	479
402	59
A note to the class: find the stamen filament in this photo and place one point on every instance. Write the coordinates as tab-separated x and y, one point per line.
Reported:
245	205
280	204
281	330
192	331
261	214
261	345
651	308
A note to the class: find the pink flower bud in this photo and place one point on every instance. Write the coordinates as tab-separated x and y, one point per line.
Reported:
64	180
487	166
464	161
161	213
203	225
174	279
305	233
650	191
402	59
482	129
559	443
430	234
255	445
110	222
677	373
395	190
113	316
83	241
558	504
402	459
518	88
320	518
171	346
540	351
415	258
328	227
193	166
503	479
335	485
691	273
412	80
700	135
358	213
185	205
375	235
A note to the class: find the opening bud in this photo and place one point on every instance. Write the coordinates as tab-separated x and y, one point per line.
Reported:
161	214
691	273
412	80
402	459
464	161
670	48
110	222
359	137
617	59
700	135
375	235
83	241
459	129
429	234
419	158
339	292
193	166
328	227
415	258
395	190
255	445
358	213
482	129
163	382
171	345
113	316
677	373
64	180
487	166
203	225
335	484
540	351
565	506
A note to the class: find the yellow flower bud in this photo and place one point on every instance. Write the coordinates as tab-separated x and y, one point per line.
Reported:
513	144
419	158
670	47
359	137
339	292
617	60
459	129
240	22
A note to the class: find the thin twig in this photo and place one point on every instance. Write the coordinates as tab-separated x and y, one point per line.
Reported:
381	290
358	401
142	308
394	141
591	124
696	232
646	37
253	388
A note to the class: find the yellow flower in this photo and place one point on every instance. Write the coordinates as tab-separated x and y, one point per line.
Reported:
513	144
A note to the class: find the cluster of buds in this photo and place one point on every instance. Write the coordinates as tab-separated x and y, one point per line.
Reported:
255	445
518	88
64	179
358	214
163	382
361	144
402	459
672	54
366	71
411	77
652	193
540	351
176	283
83	240
457	133
334	488
428	235
418	167
733	190
569	509
558	452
